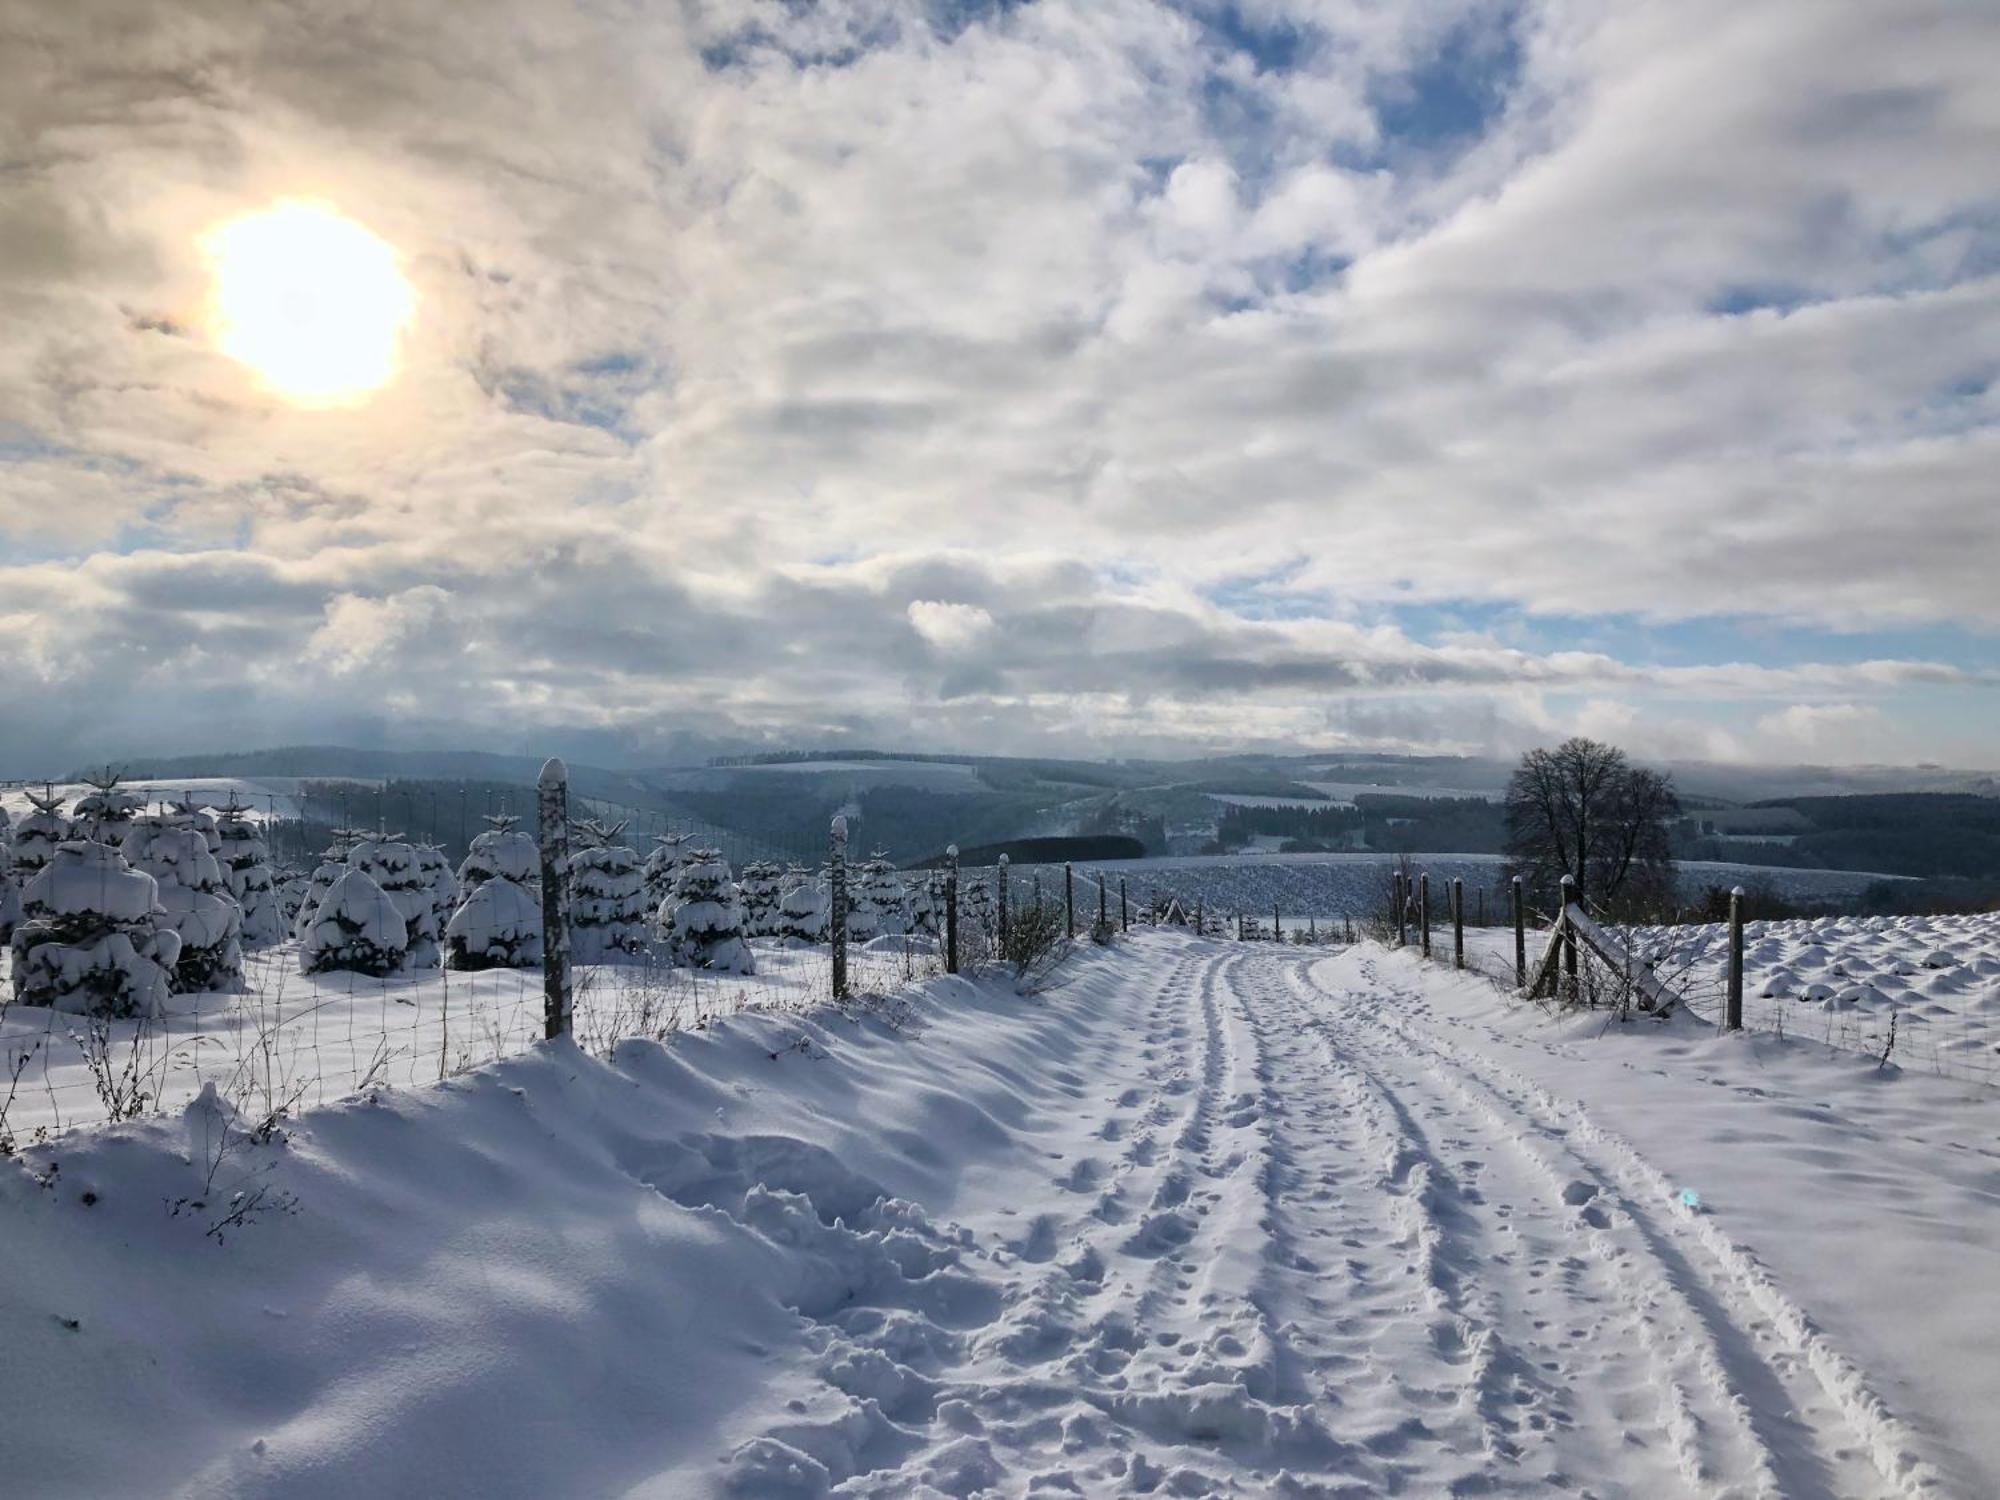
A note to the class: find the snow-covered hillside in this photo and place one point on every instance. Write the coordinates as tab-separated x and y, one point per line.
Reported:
1201	1219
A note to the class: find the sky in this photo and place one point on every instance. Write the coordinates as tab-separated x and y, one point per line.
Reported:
1079	376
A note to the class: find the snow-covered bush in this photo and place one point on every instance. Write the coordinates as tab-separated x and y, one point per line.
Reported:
195	898
502	852
104	814
393	865
35	837
976	912
703	919
607	898
761	889
662	865
802	907
358	927
92	938
497	926
246	866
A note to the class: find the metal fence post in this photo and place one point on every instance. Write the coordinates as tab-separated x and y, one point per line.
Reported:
1734	1019
1457	922
552	808
1520	936
1069	900
1400	883
836	904
1001	879
1124	908
951	909
1277	933
1424	911
1103	904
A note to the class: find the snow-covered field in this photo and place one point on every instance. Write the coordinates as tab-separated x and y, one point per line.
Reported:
1846	980
302	1039
1353	885
1201	1219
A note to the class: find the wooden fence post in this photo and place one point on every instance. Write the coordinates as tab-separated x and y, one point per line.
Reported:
1424	911
1239	927
1124	908
1277	934
1520	936
552	808
1103	906
1069	900
1481	922
1457	922
1733	1020
1401	885
951	908
1001	879
836	904
1569	939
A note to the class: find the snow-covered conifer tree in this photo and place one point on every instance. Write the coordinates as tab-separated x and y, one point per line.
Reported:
704	919
195	898
358	928
202	821
497	926
10	890
35	837
924	900
876	905
104	814
662	865
802	907
505	852
392	864
92	938
761	889
440	882
246	866
607	897
332	865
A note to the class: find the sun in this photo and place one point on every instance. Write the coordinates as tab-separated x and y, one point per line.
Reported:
314	303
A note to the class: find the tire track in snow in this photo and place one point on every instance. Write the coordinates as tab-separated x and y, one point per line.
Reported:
1853	1443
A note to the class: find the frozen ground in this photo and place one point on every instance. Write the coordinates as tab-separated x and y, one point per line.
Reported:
1202	1219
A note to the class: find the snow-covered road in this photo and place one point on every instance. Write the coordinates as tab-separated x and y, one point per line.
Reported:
1206	1219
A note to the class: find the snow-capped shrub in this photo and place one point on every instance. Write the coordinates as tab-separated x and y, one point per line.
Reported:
358	928
35	837
497	926
392	865
662	865
246	866
92	939
704	920
502	852
104	814
802	907
10	894
194	897
760	890
607	898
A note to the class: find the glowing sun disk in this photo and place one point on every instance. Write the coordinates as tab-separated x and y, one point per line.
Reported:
311	301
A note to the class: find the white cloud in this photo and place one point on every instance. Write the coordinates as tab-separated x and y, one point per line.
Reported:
710	294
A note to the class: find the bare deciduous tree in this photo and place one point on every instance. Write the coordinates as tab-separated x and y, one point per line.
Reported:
1582	809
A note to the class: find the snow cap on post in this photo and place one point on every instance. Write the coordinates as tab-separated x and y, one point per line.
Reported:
840	828
554	773
951	851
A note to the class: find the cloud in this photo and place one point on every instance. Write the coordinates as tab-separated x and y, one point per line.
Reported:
768	355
